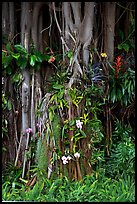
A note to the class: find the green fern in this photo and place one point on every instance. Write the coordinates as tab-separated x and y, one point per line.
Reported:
38	149
41	158
56	129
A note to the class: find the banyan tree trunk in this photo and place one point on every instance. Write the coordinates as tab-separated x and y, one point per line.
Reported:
109	29
109	32
76	36
25	39
8	31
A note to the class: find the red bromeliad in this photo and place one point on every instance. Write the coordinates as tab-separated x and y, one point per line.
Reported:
117	66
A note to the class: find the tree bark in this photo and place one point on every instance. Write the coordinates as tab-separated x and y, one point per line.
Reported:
11	17
109	29
109	32
86	30
8	30
78	31
36	82
25	37
5	18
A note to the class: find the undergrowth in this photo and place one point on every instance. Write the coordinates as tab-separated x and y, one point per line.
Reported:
112	179
95	188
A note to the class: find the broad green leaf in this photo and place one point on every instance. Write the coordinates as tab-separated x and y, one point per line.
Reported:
123	89
72	122
51	116
39	57
125	47
129	86
3	55
93	185
20	48
15	55
25	181
132	88
71	60
125	100
77	134
113	95
75	103
6	60
9	105
58	86
88	102
4	130
63	129
22	62
61	94
82	132
119	95
61	104
53	98
4	101
70	54
126	82
16	77
32	60
71	128
119	47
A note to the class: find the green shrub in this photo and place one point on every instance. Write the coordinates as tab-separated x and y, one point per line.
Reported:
90	189
122	159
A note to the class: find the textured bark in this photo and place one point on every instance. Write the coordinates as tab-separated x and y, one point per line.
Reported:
109	29
5	18
32	108
35	23
86	30
79	175
36	81
25	37
77	32
8	31
11	18
40	41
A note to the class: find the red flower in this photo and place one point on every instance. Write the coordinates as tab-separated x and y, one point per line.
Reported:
117	66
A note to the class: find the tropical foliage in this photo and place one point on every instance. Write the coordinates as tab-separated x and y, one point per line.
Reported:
68	129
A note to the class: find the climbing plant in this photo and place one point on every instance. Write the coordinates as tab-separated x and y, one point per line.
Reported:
60	88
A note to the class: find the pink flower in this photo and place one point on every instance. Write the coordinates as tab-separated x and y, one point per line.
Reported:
38	125
28	130
77	155
79	124
64	159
